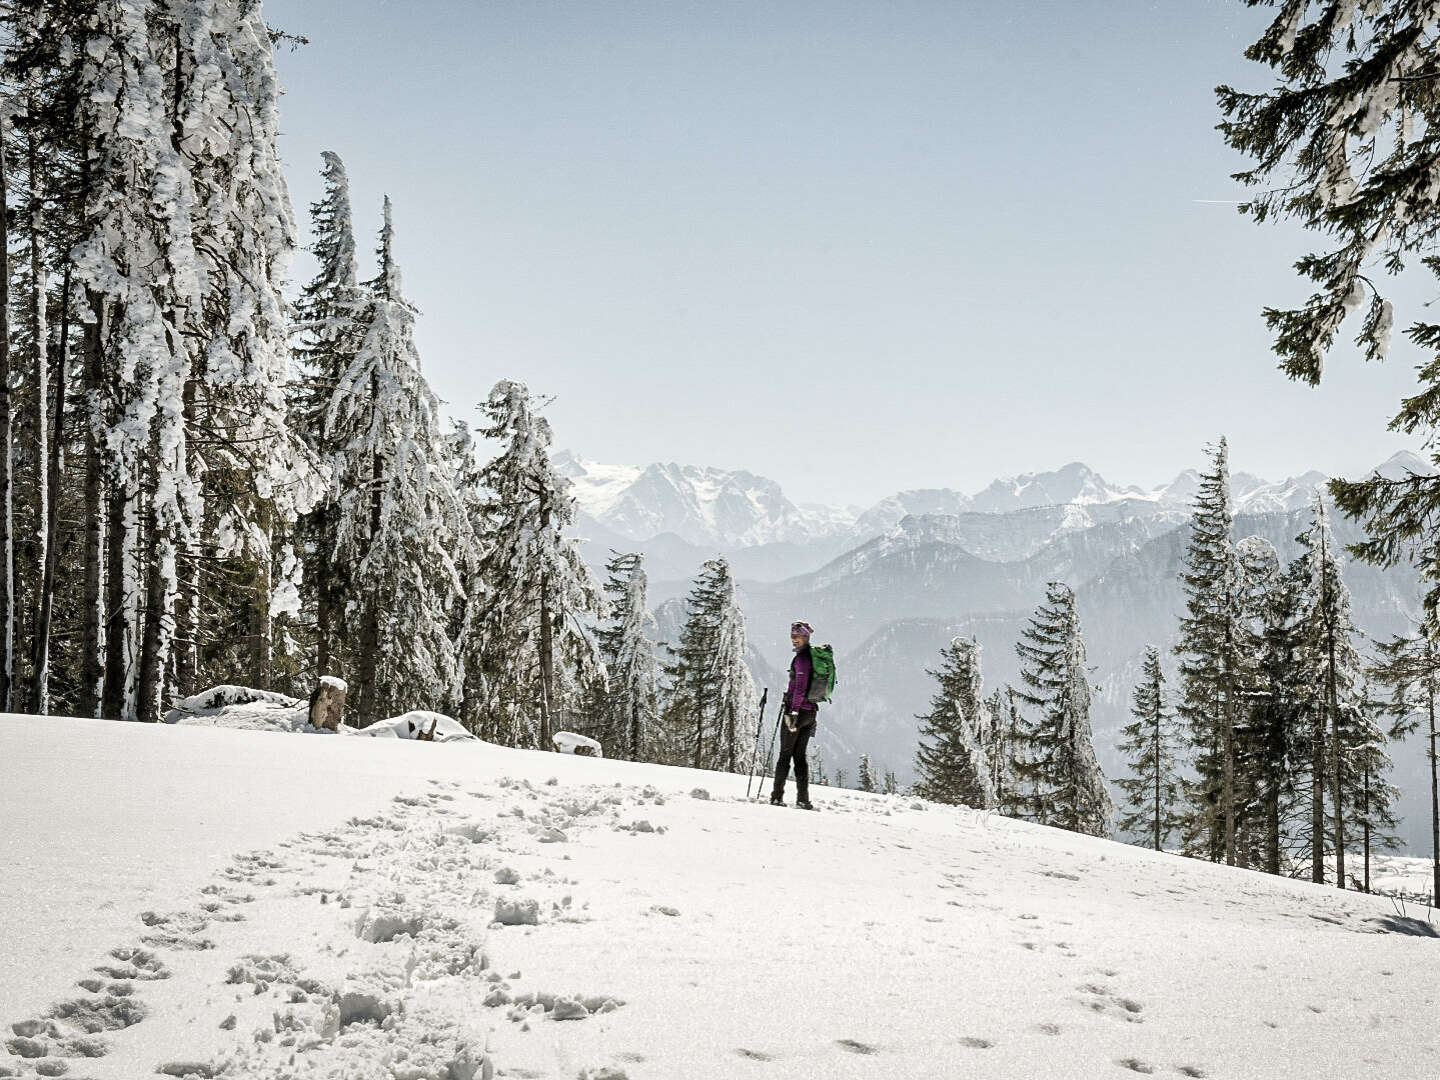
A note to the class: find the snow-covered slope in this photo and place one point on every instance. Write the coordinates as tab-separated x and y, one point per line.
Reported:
224	903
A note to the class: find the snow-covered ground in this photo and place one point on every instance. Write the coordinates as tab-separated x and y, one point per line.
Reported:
220	902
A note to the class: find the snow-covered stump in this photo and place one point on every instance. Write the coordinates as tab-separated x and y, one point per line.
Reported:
327	703
567	742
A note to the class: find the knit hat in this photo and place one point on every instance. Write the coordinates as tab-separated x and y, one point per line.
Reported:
801	628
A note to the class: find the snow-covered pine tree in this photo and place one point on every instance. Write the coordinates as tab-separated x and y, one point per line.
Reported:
1210	658
840	778
1334	671
330	331
1152	748
1067	788
1346	143
254	468
710	693
630	706
535	652
867	775
950	763
890	785
397	512
1409	666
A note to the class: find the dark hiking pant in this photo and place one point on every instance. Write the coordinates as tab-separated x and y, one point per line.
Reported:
792	748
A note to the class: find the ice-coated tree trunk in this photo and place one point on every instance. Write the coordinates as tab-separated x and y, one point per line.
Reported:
7	482
186	647
93	615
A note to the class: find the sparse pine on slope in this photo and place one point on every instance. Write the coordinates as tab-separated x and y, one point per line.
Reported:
1153	790
1055	752
951	765
710	694
629	705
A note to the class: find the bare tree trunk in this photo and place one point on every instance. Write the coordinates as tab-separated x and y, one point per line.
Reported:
1365	821
92	631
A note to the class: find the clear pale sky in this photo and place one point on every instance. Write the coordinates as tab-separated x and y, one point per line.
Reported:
854	247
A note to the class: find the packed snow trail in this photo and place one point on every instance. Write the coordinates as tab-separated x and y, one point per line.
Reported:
242	904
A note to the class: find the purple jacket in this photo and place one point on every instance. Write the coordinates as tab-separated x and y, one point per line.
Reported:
800	671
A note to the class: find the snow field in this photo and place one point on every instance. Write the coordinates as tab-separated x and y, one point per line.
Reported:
291	907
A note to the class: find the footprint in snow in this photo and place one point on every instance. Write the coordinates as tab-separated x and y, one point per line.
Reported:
755	1055
1190	1070
976	1044
1135	1065
854	1046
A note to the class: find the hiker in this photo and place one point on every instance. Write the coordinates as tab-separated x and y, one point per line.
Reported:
800	715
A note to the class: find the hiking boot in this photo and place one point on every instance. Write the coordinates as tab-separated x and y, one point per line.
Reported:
776	800
803	806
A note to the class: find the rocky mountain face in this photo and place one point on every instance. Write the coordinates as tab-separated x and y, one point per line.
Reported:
890	585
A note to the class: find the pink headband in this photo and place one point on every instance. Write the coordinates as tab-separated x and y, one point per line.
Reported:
801	628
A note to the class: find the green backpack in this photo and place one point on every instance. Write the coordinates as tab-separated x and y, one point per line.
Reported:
822	674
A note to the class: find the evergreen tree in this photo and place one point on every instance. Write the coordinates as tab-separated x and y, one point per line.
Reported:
1003	716
950	763
710	690
867	776
536	657
330	329
1067	786
1210	658
890	786
1346	143
397	516
1409	666
1365	784
1151	745
629	703
839	778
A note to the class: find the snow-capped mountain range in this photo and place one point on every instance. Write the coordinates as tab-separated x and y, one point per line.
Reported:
725	509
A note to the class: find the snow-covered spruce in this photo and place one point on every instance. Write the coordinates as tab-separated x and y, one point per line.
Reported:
951	764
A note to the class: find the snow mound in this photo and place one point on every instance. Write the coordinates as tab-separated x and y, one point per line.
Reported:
245	708
567	742
414	724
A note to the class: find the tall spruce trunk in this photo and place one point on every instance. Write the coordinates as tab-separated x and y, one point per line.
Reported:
1332	699
88	700
7	480
325	595
40	687
1229	794
40	404
1365	822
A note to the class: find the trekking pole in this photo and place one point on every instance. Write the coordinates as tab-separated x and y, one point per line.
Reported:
755	755
770	753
